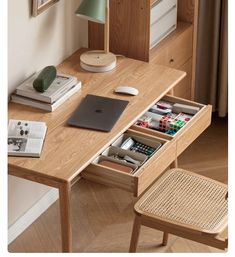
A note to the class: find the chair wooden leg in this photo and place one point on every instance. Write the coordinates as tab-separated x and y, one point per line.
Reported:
165	238
135	234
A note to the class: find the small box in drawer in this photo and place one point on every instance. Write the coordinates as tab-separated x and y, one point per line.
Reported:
139	180
125	155
177	116
147	146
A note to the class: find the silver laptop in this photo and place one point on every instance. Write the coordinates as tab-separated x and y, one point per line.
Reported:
97	112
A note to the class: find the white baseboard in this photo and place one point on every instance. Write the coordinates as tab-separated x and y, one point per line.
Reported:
32	214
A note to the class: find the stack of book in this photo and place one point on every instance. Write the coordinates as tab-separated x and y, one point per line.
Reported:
59	91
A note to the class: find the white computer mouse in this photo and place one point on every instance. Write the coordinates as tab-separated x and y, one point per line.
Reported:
126	90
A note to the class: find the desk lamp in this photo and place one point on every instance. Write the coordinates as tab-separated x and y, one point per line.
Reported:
98	60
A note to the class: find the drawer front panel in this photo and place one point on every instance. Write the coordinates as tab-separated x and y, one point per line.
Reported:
177	52
155	167
160	8
110	177
194	129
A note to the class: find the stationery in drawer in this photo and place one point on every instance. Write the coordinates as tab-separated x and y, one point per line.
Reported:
125	156
137	144
122	166
184	121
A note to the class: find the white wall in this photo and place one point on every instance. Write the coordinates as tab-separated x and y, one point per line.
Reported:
35	42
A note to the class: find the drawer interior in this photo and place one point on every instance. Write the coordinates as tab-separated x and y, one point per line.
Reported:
136	160
119	177
172	120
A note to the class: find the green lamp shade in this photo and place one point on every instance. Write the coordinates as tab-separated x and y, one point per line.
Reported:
93	10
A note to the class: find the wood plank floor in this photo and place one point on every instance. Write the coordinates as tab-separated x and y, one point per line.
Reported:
102	216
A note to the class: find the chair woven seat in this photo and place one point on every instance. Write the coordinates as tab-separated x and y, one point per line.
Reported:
187	200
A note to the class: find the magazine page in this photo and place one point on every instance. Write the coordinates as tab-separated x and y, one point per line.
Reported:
24	146
25	138
27	129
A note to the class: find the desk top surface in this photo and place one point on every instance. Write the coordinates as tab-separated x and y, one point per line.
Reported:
68	150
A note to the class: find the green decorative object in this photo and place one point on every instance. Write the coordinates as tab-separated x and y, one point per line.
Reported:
93	10
45	79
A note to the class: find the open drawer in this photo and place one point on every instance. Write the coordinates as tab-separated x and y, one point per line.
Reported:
144	174
190	131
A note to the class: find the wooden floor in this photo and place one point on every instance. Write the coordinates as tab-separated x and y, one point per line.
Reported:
102	216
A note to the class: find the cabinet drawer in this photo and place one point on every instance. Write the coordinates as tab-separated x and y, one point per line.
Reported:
143	177
174	53
189	132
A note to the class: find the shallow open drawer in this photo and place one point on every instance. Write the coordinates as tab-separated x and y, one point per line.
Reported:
189	132
145	174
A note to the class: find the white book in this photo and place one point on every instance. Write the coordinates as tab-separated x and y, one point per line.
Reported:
26	138
46	106
58	87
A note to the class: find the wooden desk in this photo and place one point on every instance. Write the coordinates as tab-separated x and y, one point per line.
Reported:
67	150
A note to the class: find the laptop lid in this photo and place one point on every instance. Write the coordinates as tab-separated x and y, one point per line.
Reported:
97	112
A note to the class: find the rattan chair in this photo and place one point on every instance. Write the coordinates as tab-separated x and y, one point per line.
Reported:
184	204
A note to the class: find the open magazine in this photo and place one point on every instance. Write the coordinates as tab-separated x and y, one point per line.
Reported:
26	138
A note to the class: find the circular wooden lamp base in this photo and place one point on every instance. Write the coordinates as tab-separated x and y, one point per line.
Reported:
98	61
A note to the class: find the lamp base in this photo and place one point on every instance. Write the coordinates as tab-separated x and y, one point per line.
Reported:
98	61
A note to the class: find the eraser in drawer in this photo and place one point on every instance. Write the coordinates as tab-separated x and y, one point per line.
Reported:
177	108
116	166
155	116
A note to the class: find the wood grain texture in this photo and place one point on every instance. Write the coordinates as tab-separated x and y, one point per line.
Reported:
176	49
195	36
102	216
67	150
65	217
183	89
186	10
129	29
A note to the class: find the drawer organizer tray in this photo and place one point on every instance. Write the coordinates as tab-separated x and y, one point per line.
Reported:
113	150
189	132
136	182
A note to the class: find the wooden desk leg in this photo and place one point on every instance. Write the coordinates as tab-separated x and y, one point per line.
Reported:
174	164
65	220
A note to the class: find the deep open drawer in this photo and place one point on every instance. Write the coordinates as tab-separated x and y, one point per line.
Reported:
143	177
186	135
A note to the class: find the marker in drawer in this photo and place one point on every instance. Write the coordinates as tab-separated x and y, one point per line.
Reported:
185	108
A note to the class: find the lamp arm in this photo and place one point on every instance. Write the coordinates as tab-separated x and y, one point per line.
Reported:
106	29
